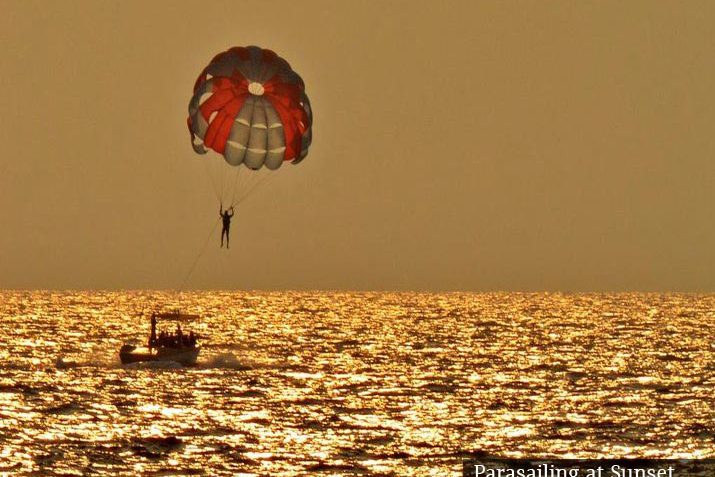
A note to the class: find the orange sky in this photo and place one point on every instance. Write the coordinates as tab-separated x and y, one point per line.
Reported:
457	145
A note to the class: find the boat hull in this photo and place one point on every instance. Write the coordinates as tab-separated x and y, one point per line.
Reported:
185	356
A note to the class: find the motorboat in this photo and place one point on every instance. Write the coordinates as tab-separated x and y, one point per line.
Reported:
179	347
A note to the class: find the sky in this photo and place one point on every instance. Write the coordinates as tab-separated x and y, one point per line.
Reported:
461	145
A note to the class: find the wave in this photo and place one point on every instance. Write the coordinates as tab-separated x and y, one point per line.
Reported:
63	408
226	361
229	360
91	360
155	365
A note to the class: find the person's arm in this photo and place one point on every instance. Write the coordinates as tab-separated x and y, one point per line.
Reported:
231	212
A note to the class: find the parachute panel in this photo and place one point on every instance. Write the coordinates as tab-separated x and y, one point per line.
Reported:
256	155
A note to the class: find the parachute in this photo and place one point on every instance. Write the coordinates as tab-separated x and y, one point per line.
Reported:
249	106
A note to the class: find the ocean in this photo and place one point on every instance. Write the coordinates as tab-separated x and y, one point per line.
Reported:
337	383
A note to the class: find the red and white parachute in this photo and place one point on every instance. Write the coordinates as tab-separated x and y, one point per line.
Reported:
251	107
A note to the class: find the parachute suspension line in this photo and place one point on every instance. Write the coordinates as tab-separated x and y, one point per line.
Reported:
222	180
201	252
225	181
237	184
211	179
252	189
248	181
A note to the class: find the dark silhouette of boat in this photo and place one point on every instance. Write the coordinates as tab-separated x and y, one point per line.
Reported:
178	347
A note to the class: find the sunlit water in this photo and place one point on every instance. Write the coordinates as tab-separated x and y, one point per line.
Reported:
353	383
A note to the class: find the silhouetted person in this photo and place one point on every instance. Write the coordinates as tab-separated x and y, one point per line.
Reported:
226	216
152	336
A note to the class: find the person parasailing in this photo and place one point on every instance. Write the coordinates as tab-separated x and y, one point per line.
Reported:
250	107
226	216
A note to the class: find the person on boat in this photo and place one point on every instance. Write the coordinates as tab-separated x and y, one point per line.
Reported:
152	335
192	339
179	336
226	216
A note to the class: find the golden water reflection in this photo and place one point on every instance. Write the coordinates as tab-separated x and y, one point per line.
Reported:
354	383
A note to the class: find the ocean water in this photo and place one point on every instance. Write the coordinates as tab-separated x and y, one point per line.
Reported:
373	384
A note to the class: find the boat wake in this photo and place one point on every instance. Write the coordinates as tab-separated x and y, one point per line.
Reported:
154	365
103	360
226	361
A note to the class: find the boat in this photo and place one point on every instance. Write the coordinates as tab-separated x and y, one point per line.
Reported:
136	354
178	347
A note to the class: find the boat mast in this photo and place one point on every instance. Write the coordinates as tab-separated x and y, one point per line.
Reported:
152	336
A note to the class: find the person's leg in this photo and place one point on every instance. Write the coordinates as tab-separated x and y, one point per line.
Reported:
227	238
223	231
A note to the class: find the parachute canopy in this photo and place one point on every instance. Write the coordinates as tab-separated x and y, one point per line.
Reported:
250	106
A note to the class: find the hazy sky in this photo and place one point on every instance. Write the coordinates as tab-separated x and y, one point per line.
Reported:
457	146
